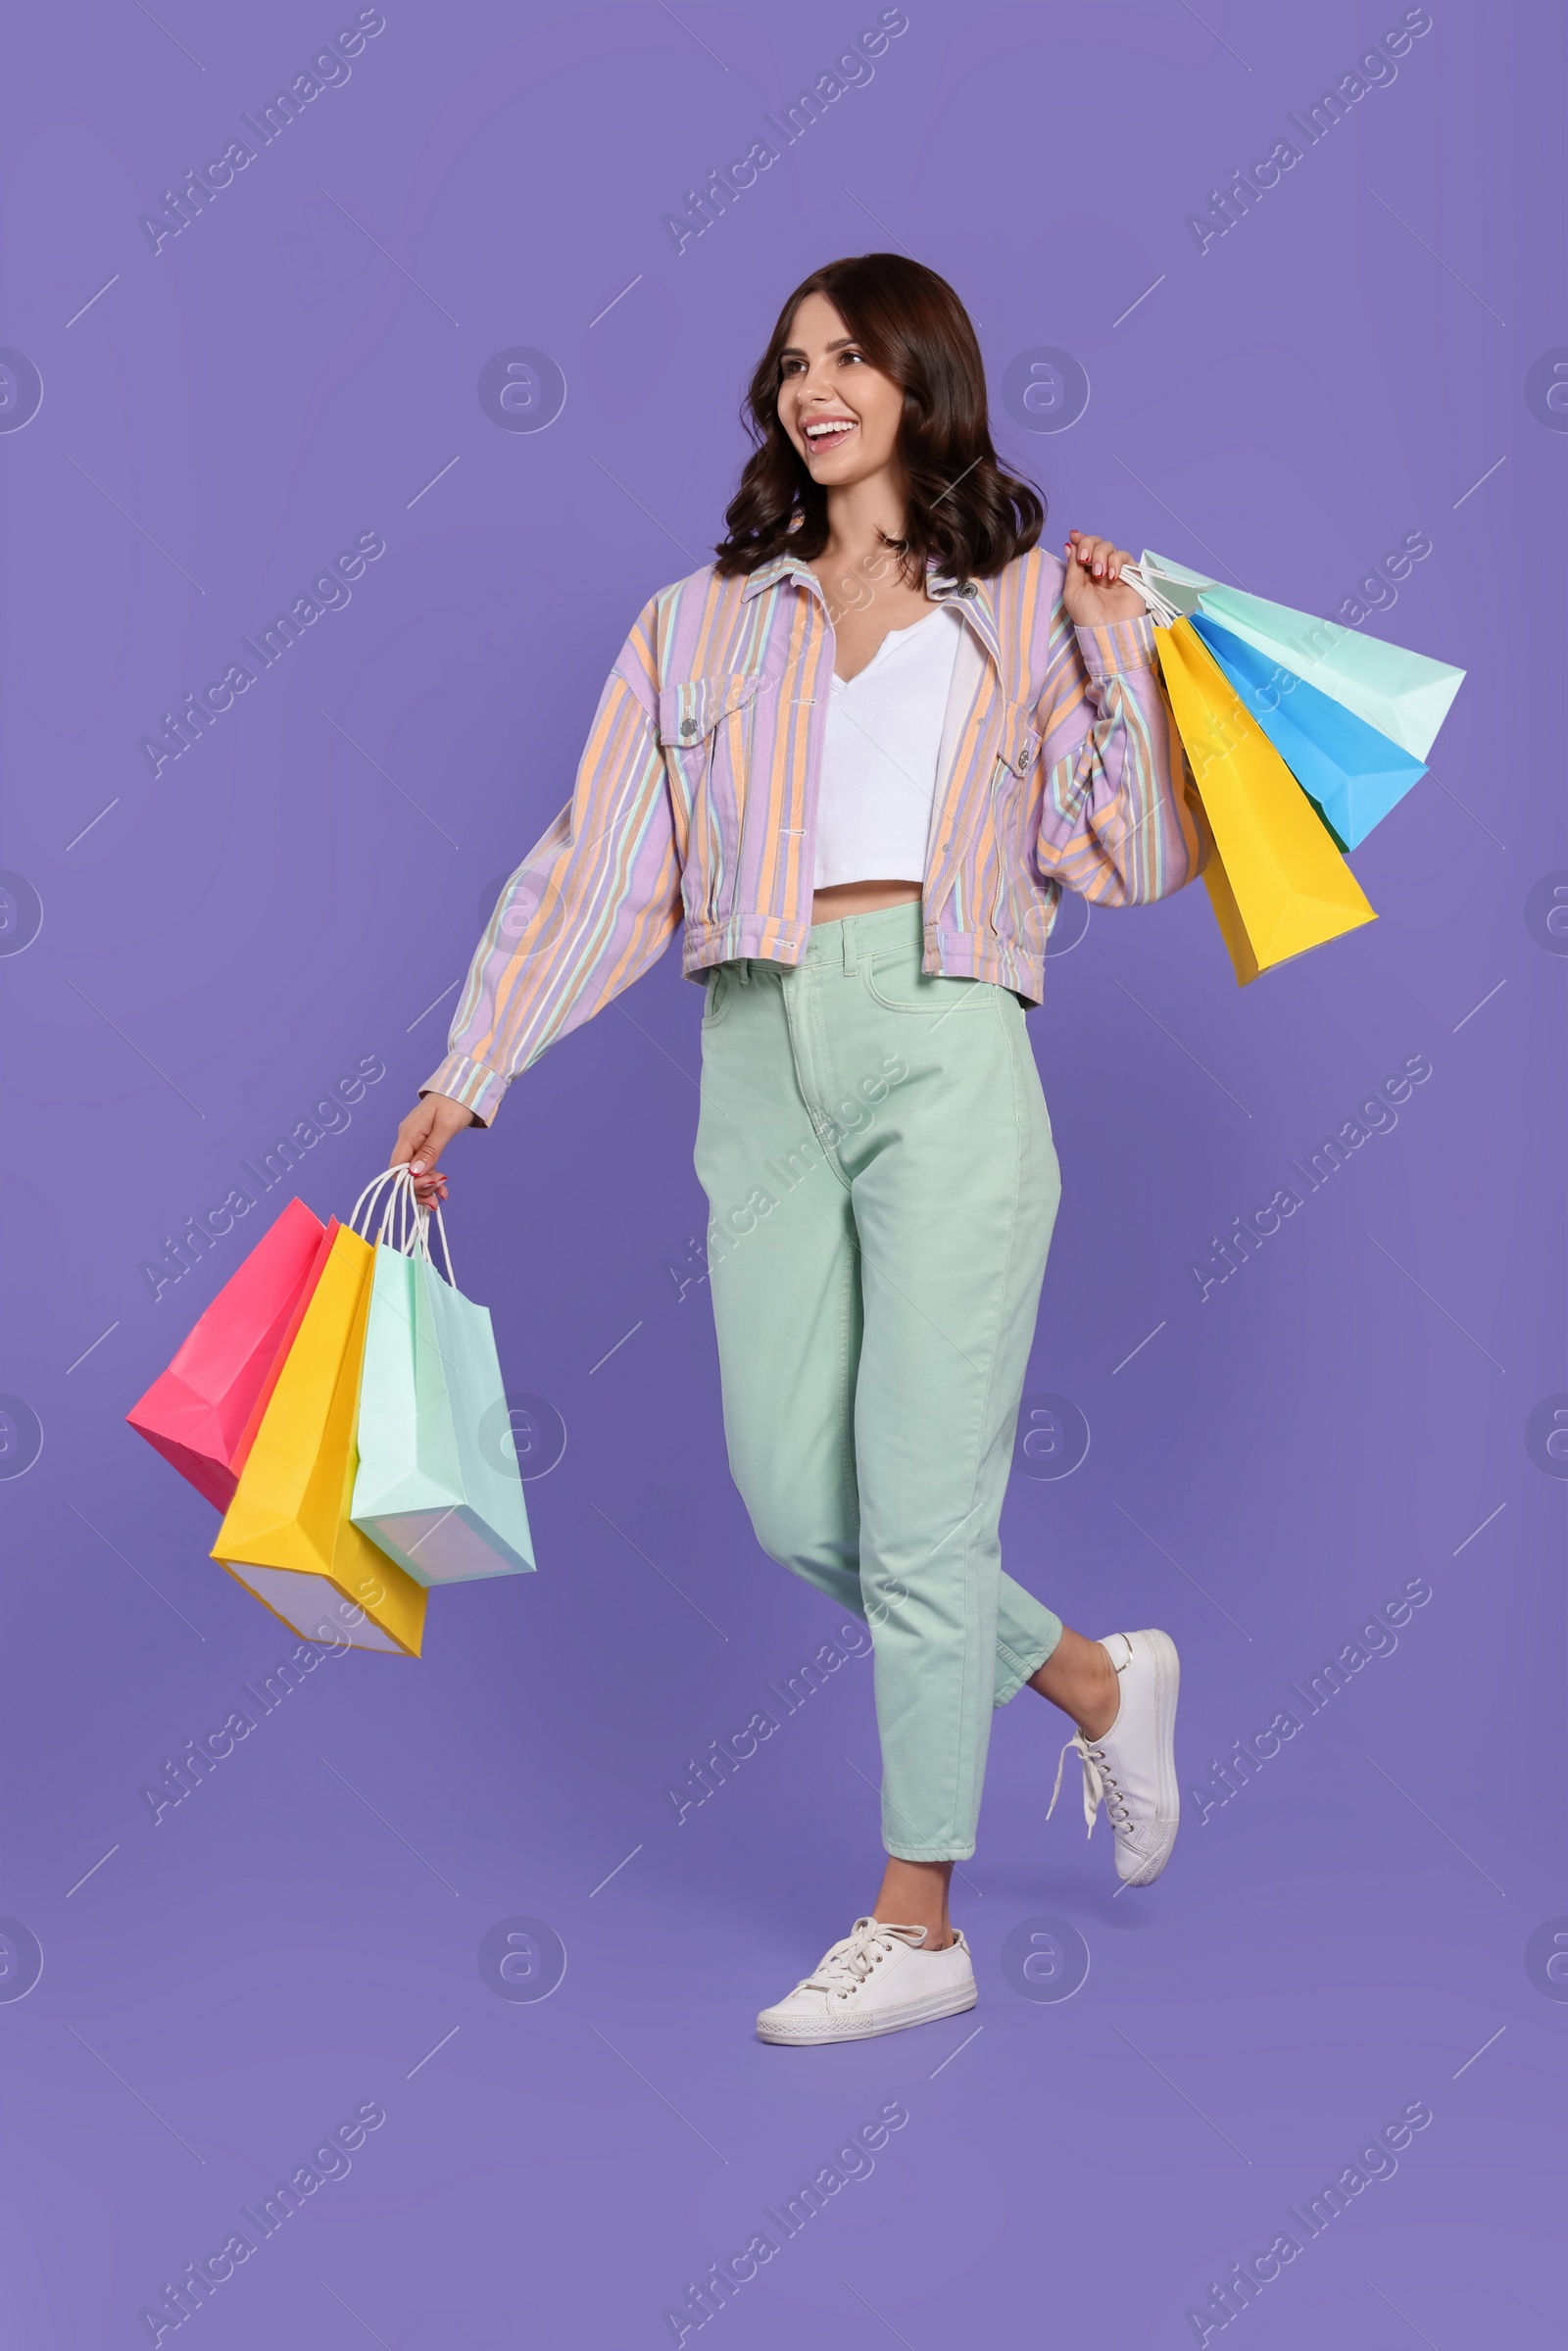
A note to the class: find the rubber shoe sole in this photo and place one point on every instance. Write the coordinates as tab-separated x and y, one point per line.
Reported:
814	2033
1168	1689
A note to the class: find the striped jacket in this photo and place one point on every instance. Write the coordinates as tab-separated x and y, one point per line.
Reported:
696	797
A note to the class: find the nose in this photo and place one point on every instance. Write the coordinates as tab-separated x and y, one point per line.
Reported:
815	388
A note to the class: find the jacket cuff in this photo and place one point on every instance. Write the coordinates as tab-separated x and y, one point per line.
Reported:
473	1084
1117	645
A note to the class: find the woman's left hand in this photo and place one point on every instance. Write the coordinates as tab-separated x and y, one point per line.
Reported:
1094	589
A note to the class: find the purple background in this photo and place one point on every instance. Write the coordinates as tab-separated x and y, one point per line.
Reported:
303	888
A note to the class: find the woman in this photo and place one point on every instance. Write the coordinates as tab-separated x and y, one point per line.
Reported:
861	754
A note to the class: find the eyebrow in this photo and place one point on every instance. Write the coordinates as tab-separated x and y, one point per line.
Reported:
793	351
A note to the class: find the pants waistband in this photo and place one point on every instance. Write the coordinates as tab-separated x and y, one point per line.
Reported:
854	936
844	945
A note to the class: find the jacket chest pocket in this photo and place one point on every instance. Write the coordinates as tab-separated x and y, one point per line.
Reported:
701	716
1018	746
705	730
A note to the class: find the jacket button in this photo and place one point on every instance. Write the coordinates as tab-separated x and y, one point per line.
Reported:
1024	759
688	728
969	589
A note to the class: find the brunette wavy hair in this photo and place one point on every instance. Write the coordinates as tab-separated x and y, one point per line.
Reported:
963	511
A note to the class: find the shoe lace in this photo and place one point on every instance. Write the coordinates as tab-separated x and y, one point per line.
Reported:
845	1968
1100	1785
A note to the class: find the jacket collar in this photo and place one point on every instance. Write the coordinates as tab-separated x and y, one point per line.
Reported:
778	567
973	599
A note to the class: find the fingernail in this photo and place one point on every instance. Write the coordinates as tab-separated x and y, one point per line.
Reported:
417	1168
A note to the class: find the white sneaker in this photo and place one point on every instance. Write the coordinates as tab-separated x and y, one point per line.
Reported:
1133	1765
877	1980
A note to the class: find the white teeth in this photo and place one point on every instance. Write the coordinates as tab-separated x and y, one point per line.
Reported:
816	432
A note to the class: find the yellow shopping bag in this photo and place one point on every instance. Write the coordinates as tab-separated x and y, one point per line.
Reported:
287	1535
1276	881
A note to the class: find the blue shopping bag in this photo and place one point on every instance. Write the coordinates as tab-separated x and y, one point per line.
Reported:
438	1486
1404	695
1351	775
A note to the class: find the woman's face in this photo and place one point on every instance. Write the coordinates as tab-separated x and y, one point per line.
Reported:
842	413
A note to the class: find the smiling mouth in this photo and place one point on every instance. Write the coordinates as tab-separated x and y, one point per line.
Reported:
828	432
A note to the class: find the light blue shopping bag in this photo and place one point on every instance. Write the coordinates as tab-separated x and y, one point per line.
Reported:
438	1486
1403	695
1351	775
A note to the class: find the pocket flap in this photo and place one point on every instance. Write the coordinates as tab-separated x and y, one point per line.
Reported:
691	710
1019	747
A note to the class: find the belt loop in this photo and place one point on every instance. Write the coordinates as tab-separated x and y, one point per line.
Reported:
846	927
745	967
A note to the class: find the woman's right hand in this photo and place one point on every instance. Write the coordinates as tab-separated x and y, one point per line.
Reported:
422	1139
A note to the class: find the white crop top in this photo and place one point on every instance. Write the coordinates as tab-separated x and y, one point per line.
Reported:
879	760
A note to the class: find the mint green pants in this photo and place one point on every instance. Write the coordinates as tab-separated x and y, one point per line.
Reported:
879	1166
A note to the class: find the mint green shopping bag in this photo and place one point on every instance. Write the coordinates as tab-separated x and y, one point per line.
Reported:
438	1487
1404	695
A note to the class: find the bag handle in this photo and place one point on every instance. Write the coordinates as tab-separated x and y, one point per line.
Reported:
387	1175
405	1222
403	1228
424	1241
398	1214
1162	611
